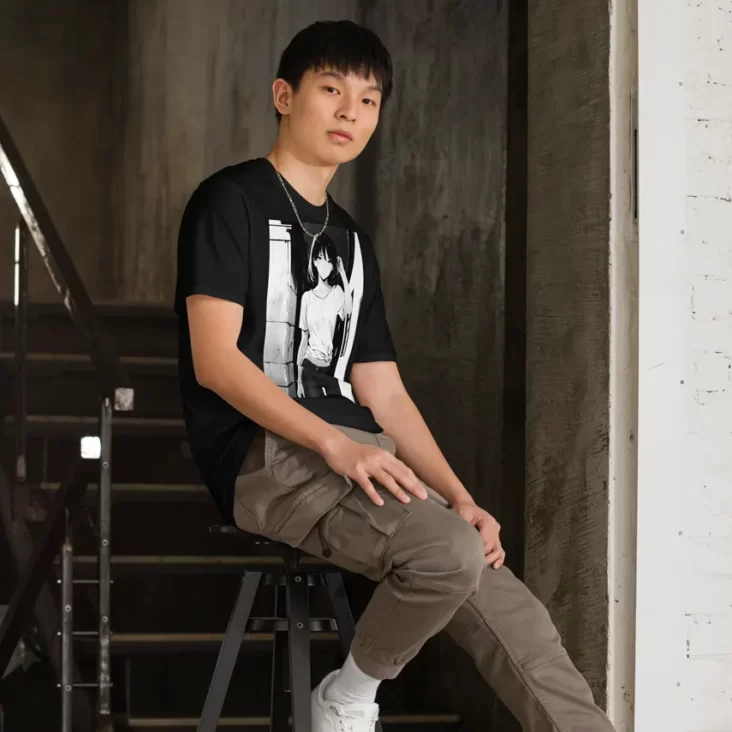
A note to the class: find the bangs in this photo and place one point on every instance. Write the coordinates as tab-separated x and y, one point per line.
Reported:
359	62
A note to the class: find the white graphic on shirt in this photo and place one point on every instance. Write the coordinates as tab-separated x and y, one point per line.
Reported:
312	306
318	316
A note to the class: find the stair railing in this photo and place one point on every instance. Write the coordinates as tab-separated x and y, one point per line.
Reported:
116	394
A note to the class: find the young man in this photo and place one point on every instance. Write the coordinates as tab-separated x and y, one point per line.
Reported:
299	421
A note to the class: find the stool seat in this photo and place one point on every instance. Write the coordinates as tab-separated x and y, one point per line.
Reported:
225	529
261	545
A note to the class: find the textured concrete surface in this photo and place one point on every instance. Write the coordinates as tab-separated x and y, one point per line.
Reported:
568	316
438	212
436	174
194	95
55	94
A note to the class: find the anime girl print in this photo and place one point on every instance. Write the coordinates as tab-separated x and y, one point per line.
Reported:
325	316
314	295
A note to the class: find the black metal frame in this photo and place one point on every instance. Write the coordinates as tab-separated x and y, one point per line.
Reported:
116	394
33	575
60	266
295	654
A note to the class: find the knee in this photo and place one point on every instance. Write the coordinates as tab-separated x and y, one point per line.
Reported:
456	560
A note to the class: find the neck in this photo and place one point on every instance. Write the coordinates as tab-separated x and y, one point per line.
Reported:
309	179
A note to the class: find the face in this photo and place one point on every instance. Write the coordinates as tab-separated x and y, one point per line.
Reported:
324	266
331	117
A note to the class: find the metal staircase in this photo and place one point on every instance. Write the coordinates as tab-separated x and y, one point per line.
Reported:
114	561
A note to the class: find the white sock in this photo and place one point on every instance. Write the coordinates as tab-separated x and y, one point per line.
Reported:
351	685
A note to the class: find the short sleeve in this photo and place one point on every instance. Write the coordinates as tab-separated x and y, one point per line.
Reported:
373	340
213	245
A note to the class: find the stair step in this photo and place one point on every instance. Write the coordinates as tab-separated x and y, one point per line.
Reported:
144	491
54	424
133	328
167	643
172	564
165	459
41	360
64	387
423	722
186	723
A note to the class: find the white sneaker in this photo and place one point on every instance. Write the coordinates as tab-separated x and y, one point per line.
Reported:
328	716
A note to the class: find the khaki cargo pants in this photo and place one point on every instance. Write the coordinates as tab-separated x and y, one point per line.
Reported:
432	575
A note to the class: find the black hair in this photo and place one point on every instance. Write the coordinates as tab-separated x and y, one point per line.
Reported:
341	45
324	245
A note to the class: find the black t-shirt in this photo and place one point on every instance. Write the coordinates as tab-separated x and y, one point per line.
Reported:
310	313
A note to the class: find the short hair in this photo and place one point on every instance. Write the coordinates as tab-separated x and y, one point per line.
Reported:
341	45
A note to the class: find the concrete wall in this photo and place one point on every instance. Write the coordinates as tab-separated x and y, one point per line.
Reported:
684	619
194	95
568	321
438	210
55	96
434	185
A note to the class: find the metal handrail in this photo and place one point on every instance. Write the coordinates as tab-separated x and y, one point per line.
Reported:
61	268
116	394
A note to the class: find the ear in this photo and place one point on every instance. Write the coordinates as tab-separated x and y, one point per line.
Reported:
282	96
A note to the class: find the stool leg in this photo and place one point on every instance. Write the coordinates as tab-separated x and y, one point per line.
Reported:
229	653
341	610
279	714
299	637
343	616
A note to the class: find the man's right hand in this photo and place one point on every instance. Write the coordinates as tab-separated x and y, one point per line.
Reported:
362	462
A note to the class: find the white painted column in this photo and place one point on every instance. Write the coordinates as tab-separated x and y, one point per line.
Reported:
684	559
623	392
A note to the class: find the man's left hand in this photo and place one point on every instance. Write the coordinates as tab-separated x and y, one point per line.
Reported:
489	530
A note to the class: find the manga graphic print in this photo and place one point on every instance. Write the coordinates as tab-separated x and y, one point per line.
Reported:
314	297
325	315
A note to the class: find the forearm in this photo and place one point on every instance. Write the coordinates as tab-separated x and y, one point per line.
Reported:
304	335
416	447
249	390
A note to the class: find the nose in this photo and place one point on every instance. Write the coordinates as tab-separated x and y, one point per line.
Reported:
347	110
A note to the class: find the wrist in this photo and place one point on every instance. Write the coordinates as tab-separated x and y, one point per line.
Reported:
459	496
329	442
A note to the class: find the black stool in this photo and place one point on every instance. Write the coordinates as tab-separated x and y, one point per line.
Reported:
296	572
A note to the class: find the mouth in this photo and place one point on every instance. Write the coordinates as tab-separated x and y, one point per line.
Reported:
340	136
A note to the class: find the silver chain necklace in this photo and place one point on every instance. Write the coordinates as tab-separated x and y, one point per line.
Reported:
294	208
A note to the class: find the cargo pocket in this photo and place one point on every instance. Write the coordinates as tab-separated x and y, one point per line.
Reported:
359	529
291	493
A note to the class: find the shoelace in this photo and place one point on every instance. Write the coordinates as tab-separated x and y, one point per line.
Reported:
350	723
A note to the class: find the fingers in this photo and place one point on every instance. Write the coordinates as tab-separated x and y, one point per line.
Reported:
391	485
391	473
368	488
404	475
489	531
496	558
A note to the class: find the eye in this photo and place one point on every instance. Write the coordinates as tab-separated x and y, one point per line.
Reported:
370	101
330	89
